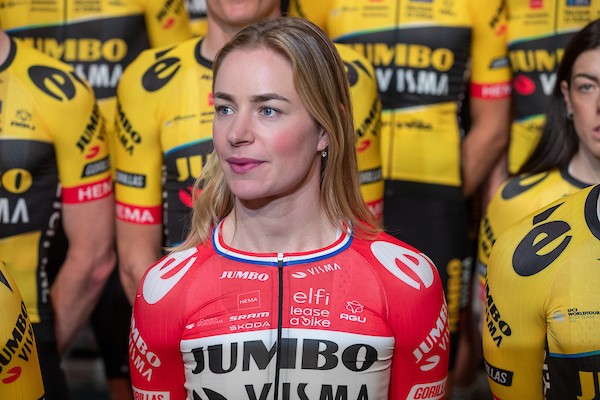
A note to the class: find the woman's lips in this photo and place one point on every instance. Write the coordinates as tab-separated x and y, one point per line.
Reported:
243	165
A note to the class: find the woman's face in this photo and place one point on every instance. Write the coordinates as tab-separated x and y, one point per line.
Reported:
582	97
268	144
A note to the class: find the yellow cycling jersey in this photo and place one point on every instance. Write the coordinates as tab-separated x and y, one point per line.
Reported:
422	51
516	198
165	116
51	136
538	31
99	38
540	331
20	374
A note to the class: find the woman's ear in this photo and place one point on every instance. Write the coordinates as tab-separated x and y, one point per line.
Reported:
323	140
564	88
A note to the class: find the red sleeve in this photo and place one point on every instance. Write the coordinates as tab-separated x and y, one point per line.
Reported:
418	317
157	324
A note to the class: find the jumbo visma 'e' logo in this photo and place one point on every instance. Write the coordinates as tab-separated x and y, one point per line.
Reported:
55	83
542	245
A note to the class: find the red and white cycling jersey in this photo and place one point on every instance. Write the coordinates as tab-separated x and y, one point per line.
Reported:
359	319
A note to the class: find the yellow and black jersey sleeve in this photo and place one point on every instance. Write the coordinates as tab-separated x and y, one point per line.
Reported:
490	74
366	111
167	22
138	154
20	375
542	318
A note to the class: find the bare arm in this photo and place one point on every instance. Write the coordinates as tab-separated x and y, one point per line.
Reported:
486	142
139	246
90	260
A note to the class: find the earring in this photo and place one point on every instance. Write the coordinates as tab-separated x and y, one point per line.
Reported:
324	153
570	116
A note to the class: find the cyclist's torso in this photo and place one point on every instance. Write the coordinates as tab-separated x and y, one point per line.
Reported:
165	118
99	38
51	132
543	305
538	31
515	199
20	375
420	51
335	323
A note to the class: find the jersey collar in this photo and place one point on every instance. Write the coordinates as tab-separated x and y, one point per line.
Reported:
342	242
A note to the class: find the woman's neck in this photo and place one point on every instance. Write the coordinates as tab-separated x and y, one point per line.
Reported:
278	228
585	167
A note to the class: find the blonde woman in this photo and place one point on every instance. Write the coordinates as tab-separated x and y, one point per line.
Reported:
285	287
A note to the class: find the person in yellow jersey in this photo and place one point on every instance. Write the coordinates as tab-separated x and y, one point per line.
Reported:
54	168
543	305
566	159
20	375
426	54
537	33
165	116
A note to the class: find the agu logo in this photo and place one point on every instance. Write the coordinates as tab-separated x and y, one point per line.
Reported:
414	269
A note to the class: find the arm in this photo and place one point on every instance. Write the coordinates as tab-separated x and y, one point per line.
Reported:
486	143
138	164
489	134
418	315
89	227
139	246
157	326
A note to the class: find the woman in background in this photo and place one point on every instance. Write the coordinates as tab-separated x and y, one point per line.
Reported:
542	317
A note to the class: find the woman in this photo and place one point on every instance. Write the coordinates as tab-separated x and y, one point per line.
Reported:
285	287
541	298
567	157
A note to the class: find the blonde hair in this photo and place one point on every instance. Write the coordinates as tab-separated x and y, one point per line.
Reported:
320	80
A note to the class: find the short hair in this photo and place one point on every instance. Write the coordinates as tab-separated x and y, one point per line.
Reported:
321	82
559	142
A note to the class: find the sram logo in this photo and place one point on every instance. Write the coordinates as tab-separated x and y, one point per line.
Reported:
401	262
264	314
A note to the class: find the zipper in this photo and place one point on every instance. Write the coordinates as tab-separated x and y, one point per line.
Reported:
279	323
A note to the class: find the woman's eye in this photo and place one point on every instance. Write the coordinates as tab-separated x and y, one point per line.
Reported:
586	87
269	112
224	110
